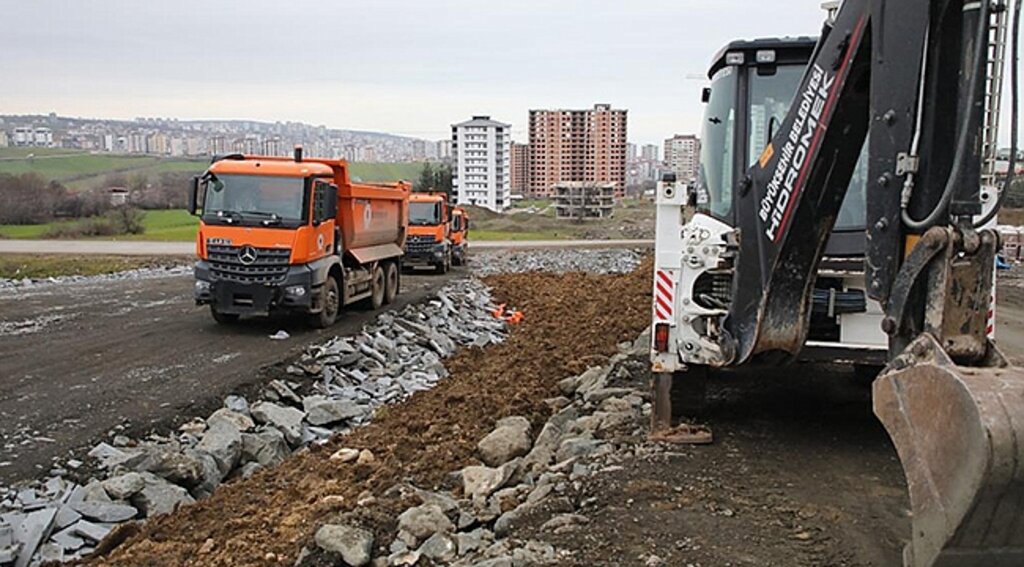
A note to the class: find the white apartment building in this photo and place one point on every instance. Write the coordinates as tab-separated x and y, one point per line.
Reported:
682	155
481	153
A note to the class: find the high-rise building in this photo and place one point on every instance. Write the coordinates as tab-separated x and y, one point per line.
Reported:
649	152
577	145
682	155
520	168
481	152
444	149
630	152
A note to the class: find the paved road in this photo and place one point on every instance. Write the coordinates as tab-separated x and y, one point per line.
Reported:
150	248
78	359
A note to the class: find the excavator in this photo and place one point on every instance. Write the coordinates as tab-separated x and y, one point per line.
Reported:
845	212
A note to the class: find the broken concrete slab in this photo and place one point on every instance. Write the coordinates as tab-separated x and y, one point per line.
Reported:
159	497
287	420
353	544
323	411
107	512
122	487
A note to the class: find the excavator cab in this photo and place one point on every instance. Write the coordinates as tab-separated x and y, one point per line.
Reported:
753	84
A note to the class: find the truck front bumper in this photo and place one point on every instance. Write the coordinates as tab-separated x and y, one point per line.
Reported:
431	257
296	292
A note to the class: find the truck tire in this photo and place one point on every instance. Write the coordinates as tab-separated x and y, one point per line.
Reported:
378	287
457	259
445	264
392	281
332	303
223	318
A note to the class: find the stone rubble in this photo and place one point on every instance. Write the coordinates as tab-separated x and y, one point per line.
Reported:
25	284
337	386
539	480
611	261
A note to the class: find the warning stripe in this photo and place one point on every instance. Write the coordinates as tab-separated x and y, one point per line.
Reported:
664	295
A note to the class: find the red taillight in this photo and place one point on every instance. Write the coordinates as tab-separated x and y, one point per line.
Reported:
661	337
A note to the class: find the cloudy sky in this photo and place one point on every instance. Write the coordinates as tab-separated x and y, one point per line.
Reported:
402	66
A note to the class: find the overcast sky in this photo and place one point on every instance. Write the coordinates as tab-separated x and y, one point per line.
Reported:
406	67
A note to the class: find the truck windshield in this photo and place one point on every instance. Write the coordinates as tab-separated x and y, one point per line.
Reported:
714	179
255	198
425	213
770	97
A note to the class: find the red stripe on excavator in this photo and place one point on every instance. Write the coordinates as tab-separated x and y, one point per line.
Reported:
665	278
664	290
664	304
855	40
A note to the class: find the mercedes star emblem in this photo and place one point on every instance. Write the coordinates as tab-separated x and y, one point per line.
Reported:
247	255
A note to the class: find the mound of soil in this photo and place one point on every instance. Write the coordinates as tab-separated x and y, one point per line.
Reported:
571	321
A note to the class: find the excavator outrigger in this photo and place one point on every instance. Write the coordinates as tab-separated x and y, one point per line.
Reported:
900	87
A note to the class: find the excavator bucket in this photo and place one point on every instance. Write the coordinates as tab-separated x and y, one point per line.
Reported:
959	432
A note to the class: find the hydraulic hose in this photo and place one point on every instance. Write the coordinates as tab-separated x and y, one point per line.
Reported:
963	139
1014	108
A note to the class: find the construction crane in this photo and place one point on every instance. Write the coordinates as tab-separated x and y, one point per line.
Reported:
844	212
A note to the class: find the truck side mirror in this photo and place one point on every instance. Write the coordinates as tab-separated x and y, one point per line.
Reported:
193	196
325	202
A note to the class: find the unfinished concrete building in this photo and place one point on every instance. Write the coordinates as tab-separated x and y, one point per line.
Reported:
584	200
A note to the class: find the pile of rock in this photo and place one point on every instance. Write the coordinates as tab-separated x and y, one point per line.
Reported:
611	261
19	284
525	476
342	381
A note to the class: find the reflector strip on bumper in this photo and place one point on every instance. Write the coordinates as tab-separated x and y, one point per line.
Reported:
664	295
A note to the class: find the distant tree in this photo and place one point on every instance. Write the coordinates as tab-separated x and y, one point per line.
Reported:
443	179
427	180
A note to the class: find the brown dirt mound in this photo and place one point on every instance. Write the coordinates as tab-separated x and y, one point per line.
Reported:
267	519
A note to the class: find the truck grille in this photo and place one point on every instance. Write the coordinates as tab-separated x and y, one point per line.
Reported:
419	244
236	263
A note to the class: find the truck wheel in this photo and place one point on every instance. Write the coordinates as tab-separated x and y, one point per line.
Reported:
456	259
378	287
332	303
223	318
445	264
391	282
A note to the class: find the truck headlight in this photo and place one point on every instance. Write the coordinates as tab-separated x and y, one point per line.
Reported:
202	286
295	290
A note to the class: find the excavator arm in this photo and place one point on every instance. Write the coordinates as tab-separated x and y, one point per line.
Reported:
908	77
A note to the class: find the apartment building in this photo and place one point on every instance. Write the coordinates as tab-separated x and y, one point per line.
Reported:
584	200
481	174
682	155
577	145
520	168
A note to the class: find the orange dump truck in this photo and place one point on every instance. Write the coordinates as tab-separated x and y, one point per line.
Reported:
429	242
294	234
459	235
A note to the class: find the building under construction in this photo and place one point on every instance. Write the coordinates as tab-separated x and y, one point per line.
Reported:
584	200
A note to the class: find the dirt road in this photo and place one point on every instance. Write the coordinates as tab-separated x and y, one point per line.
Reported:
80	359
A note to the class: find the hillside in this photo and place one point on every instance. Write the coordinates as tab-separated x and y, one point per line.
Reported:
80	170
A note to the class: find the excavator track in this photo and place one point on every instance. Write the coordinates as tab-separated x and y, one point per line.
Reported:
959	432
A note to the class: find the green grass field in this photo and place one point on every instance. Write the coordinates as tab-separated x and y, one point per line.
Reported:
160	225
80	170
18	266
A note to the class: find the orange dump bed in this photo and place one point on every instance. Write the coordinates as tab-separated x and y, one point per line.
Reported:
369	214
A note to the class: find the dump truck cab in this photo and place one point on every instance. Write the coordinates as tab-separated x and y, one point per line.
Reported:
295	235
429	242
459	235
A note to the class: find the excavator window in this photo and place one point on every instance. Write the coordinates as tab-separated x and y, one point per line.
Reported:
715	178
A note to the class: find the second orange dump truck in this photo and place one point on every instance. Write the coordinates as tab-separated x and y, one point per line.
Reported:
295	234
437	233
